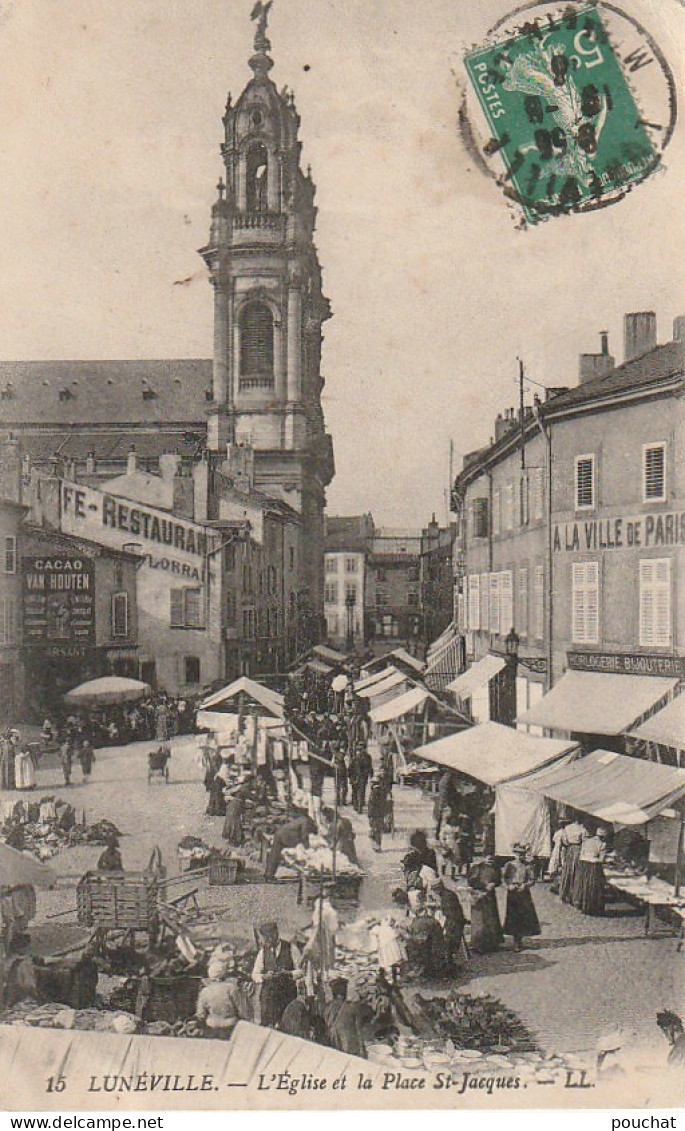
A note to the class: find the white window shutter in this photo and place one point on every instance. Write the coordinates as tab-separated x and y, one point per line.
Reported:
485	602
474	602
539	602
506	602
578	602
494	603
592	602
655	603
522	602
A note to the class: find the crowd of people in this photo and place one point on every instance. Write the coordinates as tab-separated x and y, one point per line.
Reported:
74	736
577	864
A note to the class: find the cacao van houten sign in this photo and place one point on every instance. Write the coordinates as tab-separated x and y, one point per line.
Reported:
644	531
58	596
627	663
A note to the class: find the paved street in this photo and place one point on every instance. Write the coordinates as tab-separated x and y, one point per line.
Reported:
580	978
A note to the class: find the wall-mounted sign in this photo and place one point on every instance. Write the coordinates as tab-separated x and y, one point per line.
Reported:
641	532
95	514
627	663
58	597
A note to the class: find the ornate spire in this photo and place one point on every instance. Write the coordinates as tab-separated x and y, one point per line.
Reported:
260	61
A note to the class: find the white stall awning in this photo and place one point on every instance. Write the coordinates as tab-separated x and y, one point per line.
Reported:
597	703
667	727
493	753
476	676
401	705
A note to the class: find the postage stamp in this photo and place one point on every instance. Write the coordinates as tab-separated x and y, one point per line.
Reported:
566	123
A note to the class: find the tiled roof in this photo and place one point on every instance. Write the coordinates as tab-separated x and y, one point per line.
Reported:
95	392
657	365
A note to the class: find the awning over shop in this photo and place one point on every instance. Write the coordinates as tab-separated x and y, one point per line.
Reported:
667	727
476	676
612	787
597	703
401	656
492	753
317	666
401	705
18	868
382	686
254	695
444	660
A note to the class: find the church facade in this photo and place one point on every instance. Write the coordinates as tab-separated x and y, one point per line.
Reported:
245	428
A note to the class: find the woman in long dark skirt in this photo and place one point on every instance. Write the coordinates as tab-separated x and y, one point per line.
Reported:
486	929
233	824
571	839
521	920
589	889
216	805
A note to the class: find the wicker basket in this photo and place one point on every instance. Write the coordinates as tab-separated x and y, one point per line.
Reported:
343	891
117	900
223	872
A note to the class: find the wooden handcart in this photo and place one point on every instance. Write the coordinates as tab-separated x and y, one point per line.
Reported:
121	902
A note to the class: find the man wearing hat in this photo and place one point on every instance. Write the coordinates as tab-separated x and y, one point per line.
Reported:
521	918
289	835
273	974
376	809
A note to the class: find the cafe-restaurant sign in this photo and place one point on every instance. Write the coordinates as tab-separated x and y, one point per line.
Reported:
636	532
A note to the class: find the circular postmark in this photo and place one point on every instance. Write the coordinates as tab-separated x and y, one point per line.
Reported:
569	106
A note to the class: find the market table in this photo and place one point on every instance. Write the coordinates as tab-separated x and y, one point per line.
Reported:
653	893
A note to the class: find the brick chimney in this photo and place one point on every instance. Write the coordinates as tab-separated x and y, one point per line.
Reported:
10	469
679	328
639	333
184	493
594	365
131	460
168	464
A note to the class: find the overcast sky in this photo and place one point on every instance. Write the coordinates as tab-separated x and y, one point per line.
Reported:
110	125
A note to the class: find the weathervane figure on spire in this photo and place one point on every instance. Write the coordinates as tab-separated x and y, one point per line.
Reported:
260	13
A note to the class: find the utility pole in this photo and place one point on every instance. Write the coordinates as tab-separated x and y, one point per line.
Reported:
521	420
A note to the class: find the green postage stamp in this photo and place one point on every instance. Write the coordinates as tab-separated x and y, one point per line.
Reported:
562	114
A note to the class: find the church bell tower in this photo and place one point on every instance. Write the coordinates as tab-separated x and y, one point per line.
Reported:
269	307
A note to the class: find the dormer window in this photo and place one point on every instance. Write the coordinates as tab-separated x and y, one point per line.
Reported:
66	394
257	177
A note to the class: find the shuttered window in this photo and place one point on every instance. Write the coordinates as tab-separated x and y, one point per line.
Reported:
8	634
330	593
655	603
474	602
508	507
506	601
494	603
654	473
186	608
524	500
585	602
10	562
485	602
480	518
461	612
120	614
496	512
535	493
538	610
522	603
585	482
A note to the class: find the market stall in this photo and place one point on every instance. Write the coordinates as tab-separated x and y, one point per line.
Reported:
598	703
628	793
665	731
502	758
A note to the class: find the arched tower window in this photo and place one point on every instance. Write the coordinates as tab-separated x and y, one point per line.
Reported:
256	345
257	176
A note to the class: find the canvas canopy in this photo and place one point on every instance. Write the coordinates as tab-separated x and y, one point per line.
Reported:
254	695
108	689
28	1054
492	753
401	705
382	686
476	676
597	702
329	654
18	868
612	787
401	656
373	677
444	659
667	727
